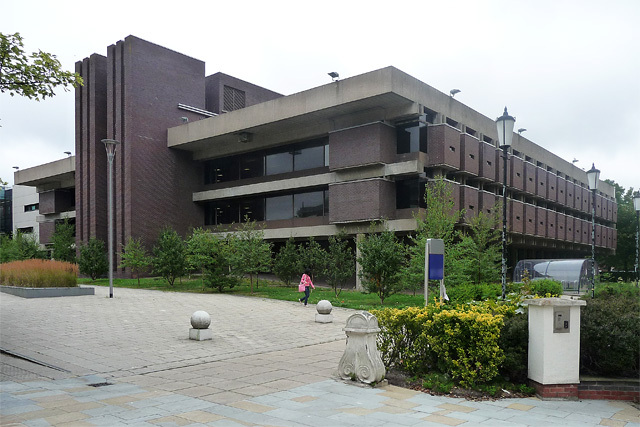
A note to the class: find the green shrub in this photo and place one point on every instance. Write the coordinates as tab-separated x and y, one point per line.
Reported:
93	259
460	341
610	335
39	273
544	287
514	341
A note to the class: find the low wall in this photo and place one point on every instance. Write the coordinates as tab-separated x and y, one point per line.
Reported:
46	292
597	389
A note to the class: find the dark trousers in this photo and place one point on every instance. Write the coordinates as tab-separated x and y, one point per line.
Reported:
307	292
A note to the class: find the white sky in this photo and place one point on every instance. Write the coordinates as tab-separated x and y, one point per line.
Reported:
568	70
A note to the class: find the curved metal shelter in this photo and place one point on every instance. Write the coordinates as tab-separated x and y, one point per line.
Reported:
574	274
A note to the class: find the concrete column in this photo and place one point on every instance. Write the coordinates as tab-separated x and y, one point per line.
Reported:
359	286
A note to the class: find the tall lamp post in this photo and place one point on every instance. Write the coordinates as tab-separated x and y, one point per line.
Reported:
504	125
593	175
110	145
636	206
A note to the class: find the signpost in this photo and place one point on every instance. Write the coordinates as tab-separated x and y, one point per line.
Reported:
434	267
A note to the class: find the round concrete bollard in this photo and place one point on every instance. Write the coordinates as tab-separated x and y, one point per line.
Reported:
324	307
200	320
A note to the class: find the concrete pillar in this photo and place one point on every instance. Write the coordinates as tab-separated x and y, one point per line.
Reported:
359	286
554	346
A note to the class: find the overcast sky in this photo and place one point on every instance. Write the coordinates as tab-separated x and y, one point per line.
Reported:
569	71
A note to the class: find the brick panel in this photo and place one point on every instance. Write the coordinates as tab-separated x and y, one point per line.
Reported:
561	226
470	201
614	211
541	222
571	195
469	154
516	217
552	226
599	235
542	183
487	202
516	173
488	166
530	219
56	201
562	191
599	205
45	231
443	146
552	186
530	184
372	143
371	199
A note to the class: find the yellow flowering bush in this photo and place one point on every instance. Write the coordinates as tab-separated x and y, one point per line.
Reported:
461	341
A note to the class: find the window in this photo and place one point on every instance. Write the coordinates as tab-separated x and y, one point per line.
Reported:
32	207
411	137
252	209
25	230
251	165
310	157
410	194
279	163
234	99
308	204
279	207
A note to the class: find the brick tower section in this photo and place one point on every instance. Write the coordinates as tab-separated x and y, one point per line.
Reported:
133	100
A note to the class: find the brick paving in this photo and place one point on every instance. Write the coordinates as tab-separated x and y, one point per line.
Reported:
128	361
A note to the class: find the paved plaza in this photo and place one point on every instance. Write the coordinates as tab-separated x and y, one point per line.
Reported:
93	360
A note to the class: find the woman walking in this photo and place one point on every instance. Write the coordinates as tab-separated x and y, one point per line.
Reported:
305	282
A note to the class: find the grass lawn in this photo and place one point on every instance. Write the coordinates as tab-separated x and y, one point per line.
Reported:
269	289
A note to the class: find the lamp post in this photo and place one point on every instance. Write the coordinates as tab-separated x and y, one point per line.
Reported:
636	206
110	146
593	175
504	125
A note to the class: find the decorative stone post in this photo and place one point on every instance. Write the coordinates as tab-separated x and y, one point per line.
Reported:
361	358
324	308
200	320
554	346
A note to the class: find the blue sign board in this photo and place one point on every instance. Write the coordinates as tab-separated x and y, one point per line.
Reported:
436	266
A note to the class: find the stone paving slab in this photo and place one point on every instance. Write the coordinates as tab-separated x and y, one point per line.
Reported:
269	364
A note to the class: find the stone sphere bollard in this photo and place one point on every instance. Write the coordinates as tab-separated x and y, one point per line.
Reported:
324	315
200	321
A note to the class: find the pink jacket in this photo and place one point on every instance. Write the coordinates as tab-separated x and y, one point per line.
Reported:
304	282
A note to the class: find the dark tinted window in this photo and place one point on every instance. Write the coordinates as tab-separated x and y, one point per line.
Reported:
411	137
279	163
308	204
279	207
309	158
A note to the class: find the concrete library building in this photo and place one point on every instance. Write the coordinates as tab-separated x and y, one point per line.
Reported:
209	151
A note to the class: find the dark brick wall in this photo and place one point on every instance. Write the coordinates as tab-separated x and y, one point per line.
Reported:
562	191
362	200
488	167
530	219
516	173
45	231
530	185
56	201
371	143
469	154
214	91
470	201
541	222
542	183
153	183
487	202
552	186
561	226
552	228
91	159
516	217
443	146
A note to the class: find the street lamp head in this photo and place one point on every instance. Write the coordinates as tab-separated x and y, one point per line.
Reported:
636	201
504	124
110	145
593	175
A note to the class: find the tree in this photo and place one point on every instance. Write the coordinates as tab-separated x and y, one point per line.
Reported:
312	257
93	259
481	248
438	222
252	253
286	265
22	246
381	259
63	242
169	259
134	256
218	272
339	265
34	76
625	257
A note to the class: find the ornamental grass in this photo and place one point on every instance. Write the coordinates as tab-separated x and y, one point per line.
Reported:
39	273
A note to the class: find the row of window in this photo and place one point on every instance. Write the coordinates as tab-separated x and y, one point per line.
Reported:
287	206
290	158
